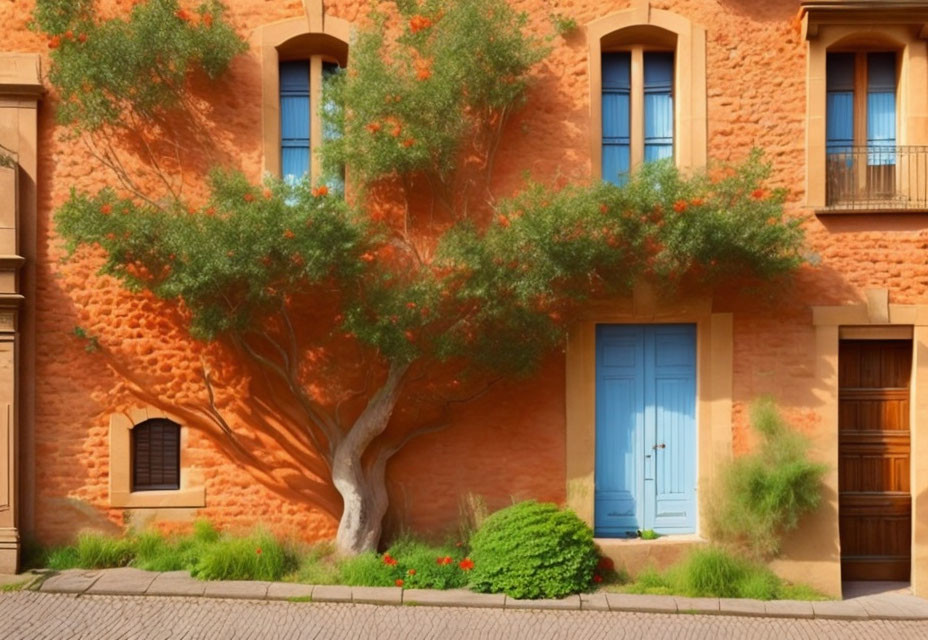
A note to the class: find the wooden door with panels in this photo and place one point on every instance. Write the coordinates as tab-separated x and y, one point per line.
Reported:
875	503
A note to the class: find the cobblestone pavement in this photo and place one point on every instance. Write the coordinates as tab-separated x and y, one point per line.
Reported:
31	615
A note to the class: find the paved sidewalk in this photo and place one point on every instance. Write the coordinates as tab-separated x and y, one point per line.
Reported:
37	616
893	605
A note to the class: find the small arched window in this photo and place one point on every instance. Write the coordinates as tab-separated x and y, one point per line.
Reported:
156	455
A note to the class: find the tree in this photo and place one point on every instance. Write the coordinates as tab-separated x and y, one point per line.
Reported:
422	267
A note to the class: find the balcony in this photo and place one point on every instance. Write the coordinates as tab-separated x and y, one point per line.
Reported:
876	179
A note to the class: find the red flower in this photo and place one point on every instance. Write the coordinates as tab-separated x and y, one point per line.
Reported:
408	142
249	197
208	19
267	193
410	305
503	221
759	194
603	209
69	34
389	560
211	211
411	572
410	336
54	42
698	202
605	564
396	131
597	578
399	582
680	206
258	551
289	235
321	191
82	38
373	127
466	564
183	14
106	209
367	257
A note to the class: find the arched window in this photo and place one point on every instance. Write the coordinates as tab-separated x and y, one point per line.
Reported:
156	455
648	90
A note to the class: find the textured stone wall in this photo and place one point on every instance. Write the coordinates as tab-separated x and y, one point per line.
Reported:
509	444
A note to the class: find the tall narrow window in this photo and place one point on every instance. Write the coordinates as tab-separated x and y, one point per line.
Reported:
637	110
156	455
294	120
616	115
860	127
658	105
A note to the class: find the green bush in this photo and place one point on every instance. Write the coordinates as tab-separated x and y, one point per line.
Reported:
259	556
764	494
533	550
368	570
715	573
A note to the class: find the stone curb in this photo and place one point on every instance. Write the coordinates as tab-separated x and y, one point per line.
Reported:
79	582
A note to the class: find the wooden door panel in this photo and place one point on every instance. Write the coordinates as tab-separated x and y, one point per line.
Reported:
875	505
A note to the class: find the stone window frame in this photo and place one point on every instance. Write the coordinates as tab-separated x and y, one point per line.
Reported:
317	38
654	28
191	493
898	29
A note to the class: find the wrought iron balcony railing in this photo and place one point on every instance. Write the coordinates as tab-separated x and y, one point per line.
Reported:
876	178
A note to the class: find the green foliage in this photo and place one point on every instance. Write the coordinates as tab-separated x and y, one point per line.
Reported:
368	570
96	551
764	494
564	25
108	72
533	550
714	572
259	556
412	104
317	565
411	564
515	282
649	534
234	261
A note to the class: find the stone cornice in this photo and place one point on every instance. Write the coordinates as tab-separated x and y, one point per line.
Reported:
815	13
21	75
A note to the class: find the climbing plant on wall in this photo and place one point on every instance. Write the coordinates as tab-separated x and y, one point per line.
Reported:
423	268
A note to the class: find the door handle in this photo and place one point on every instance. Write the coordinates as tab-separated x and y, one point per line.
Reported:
659	446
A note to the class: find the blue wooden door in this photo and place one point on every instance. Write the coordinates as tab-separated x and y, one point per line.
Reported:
645	429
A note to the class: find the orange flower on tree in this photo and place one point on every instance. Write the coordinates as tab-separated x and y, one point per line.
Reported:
373	127
184	15
367	256
423	70
321	191
503	221
267	193
249	197
680	206
419	23
82	38
208	19
54	42
289	235
408	142
759	194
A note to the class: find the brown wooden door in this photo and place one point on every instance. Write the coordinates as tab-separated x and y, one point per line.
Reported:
873	461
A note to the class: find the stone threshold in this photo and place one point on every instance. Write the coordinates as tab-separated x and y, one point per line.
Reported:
134	582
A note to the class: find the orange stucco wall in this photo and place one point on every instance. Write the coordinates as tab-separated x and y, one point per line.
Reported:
509	444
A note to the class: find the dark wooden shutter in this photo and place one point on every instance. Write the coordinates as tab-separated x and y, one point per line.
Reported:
156	455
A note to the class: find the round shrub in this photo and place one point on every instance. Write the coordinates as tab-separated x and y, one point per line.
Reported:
533	550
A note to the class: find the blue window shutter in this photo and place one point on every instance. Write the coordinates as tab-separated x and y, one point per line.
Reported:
658	106
294	119
881	108
839	119
616	74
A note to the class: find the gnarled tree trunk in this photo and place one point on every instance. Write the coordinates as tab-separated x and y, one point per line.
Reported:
363	490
